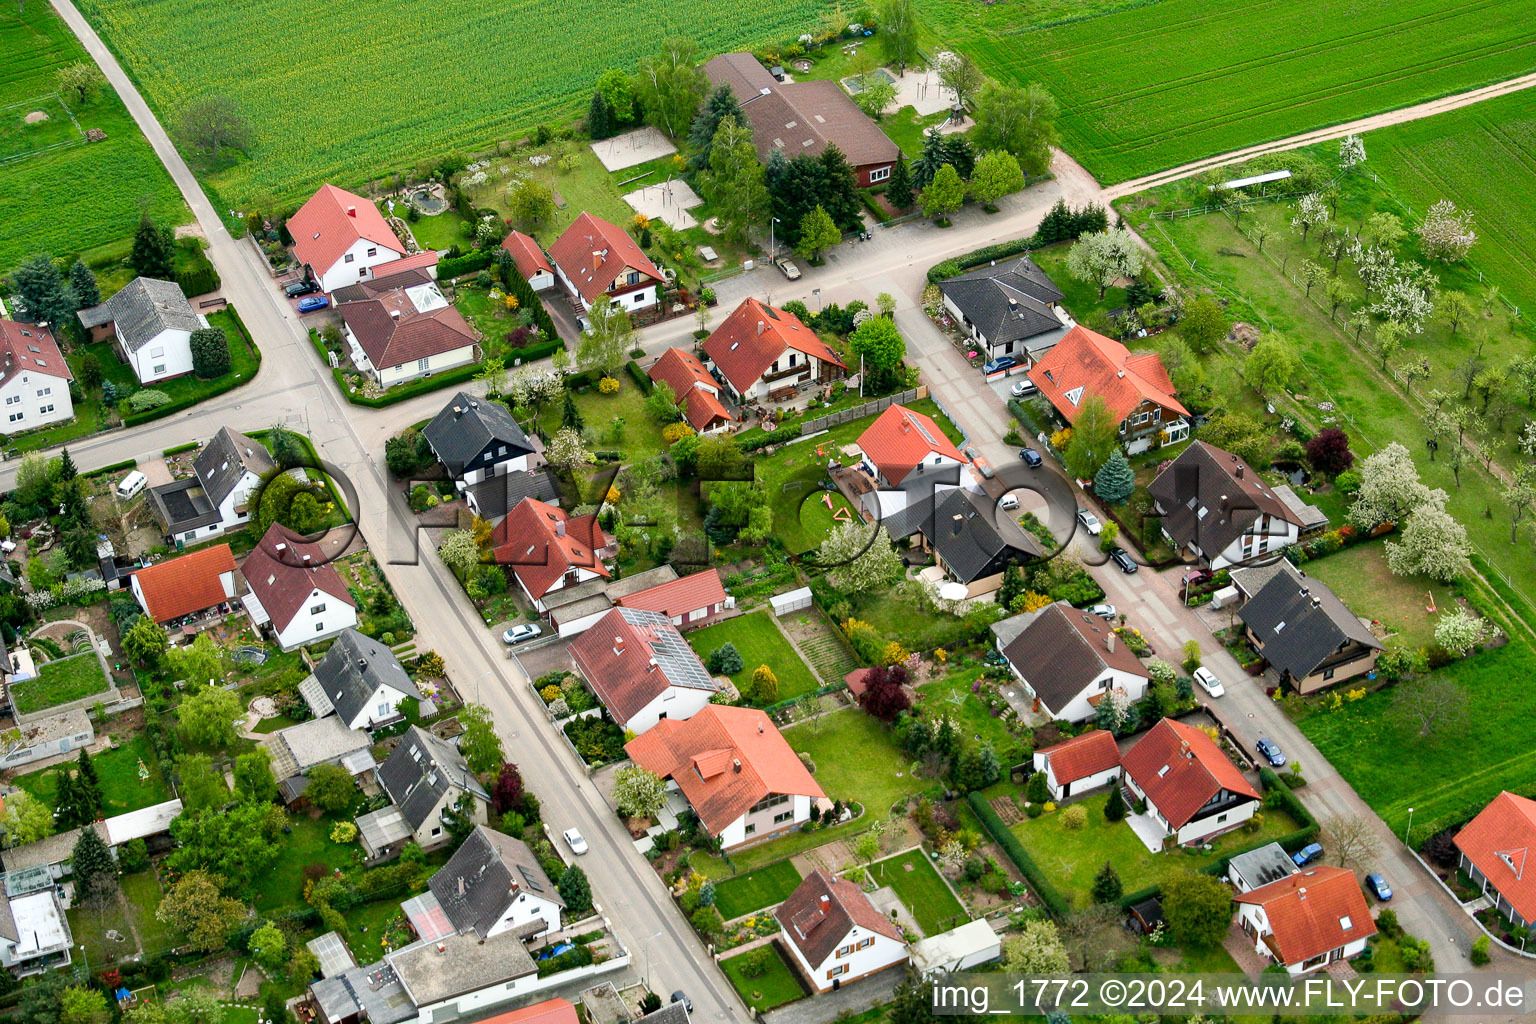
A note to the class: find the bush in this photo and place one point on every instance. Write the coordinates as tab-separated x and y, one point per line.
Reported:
644	383
1480	950
423	498
210	353
143	401
449	269
1014	850
1074	818
725	660
755	964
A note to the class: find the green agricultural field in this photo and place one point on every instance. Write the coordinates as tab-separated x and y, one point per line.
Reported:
62	194
1154	85
440	76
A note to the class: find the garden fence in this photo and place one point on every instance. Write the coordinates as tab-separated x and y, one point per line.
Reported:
858	412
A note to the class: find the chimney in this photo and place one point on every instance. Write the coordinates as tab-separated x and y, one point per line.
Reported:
282	547
351	211
650	665
1109	642
1184	747
759	728
1301	893
597	259
271	579
442	948
1013	304
560	528
736	765
394	314
906	426
461	885
306	559
761	326
1239	471
826	900
458	411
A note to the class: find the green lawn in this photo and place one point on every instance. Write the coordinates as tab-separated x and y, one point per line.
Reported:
59	682
1145	86
370	927
310	843
142	891
444	231
82	195
641	436
819	516
1360	577
90	926
897	614
951	695
1071	859
920	888
760	642
779	985
906	126
121	789
755	890
1453	775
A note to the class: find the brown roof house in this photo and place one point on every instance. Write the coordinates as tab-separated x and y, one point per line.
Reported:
642	669
1075	766
740	775
1135	387
697	391
1307	920
1070	660
404	328
1217	508
295	591
835	934
1302	628
1192	790
804	117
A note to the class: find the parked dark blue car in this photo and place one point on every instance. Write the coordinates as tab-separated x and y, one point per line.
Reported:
1031	457
1378	886
1307	854
313	303
1271	753
999	364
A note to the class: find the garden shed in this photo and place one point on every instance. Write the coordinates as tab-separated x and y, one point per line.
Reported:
793	601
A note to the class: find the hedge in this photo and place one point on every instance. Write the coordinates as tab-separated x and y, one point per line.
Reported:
538	350
518	286
1290	842
643	382
419	386
125	464
1054	902
873	205
179	449
201	281
228	382
788	433
480	259
959	264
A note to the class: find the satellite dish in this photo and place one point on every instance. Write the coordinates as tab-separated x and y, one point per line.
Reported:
954	591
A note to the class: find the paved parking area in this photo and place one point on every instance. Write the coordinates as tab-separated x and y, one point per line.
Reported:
544	658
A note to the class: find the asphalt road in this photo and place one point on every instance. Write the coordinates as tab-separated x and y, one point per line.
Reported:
294	388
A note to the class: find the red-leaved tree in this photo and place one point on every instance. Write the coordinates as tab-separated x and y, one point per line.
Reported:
509	788
885	694
1328	452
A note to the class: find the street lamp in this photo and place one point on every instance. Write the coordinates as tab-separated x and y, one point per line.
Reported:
817	292
648	960
482	675
1409	830
772	247
86	956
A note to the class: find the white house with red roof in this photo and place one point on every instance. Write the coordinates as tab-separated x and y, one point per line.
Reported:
760	349
737	771
642	669
835	935
697	391
904	443
187	585
1192	790
34	378
530	260
548	549
1497	848
1308	920
1078	765
340	238
688	600
595	258
295	591
1135	387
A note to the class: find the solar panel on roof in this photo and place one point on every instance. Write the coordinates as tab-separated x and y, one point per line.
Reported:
529	879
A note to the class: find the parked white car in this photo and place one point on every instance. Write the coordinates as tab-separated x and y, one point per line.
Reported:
573	839
1104	611
518	634
1090	522
1208	682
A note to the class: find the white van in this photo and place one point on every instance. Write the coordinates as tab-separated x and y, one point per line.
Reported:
131	485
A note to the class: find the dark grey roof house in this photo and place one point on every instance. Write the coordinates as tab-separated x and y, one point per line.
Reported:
1216	507
425	776
142	311
359	679
1306	633
492	498
965	532
475	437
1011	308
1069	658
494	883
215	498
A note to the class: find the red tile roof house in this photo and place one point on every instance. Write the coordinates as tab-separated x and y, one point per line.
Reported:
295	591
179	587
902	442
595	258
341	238
691	600
804	117
835	934
547	549
34	379
736	770
1076	766
642	669
1192	790
1498	848
406	329
759	350
697	391
1307	920
530	260
1134	386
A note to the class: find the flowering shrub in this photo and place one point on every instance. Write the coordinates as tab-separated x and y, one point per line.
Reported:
608	385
